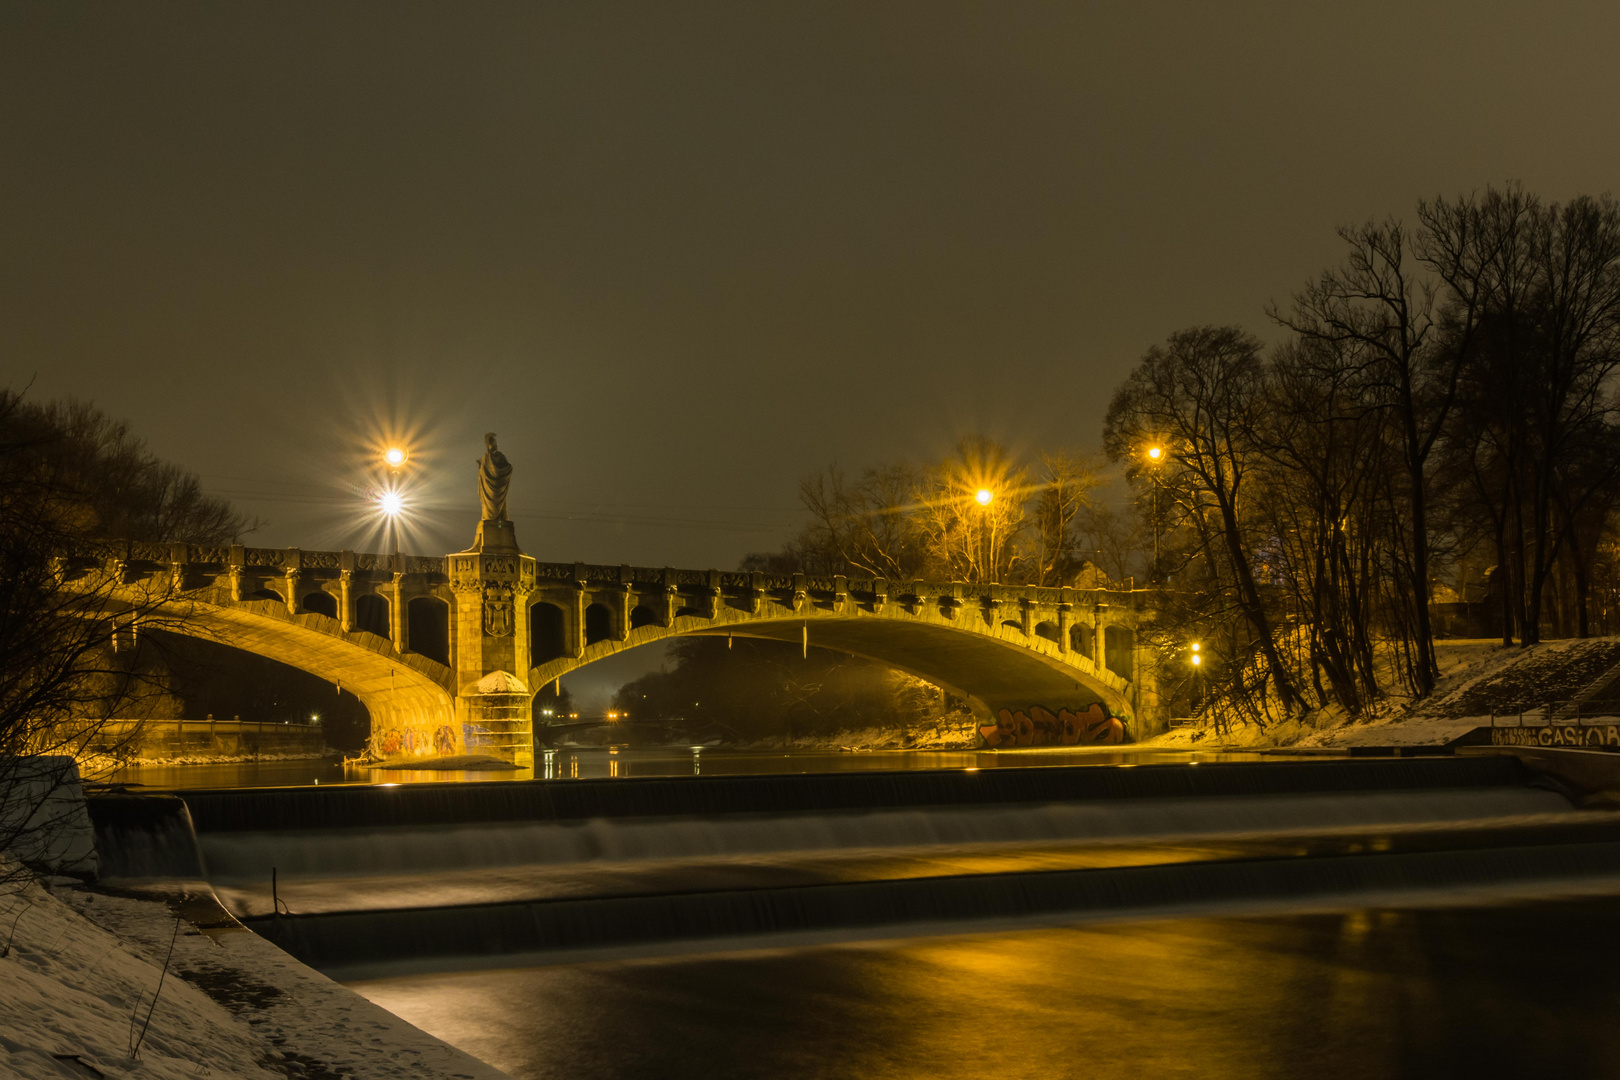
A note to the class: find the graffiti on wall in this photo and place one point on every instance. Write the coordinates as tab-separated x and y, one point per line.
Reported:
397	742
1042	727
1592	737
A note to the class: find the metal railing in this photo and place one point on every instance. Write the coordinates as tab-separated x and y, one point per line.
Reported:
1572	713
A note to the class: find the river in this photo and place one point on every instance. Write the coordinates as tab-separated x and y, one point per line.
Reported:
580	763
1323	919
1512	991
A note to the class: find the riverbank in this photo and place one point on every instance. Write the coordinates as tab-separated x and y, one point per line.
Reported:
95	765
1478	678
82	965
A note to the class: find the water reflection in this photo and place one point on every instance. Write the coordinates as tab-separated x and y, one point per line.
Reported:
600	762
1508	991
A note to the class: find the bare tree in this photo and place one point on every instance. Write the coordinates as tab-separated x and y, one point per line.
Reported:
1067	480
865	527
1384	305
68	620
1535	331
972	513
1198	397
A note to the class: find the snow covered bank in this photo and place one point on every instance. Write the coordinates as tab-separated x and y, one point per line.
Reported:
95	765
1477	678
77	986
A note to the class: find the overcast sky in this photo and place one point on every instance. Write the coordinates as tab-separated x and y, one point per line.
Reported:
678	255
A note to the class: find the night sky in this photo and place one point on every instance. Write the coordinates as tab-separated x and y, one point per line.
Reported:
679	255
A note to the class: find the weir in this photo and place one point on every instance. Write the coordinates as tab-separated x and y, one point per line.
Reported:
465	875
369	944
562	800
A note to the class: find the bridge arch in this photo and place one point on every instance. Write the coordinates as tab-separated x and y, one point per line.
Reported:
429	627
1119	651
548	631
598	624
411	698
371	614
990	666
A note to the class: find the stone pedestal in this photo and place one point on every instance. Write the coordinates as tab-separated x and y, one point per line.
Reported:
491	658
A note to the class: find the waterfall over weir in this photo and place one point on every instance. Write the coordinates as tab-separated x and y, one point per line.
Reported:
237	859
507	872
371	806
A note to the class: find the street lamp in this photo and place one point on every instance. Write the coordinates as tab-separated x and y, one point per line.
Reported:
1155	455
391	504
984	496
1198	675
390	497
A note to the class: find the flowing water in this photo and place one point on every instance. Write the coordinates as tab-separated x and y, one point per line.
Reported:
1522	990
1429	917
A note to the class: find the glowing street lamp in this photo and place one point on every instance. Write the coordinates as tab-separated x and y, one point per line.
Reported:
395	456
391	505
1155	454
984	496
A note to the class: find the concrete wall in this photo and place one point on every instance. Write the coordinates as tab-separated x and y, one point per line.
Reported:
163	739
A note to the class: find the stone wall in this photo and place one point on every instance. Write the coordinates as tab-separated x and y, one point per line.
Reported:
164	739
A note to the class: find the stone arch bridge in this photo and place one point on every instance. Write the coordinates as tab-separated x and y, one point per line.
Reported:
443	650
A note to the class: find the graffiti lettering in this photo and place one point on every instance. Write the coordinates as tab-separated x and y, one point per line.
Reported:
1091	726
1594	735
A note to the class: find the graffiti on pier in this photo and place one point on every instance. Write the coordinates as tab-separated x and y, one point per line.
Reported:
1041	727
396	742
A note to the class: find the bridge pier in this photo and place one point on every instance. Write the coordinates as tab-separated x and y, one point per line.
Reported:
491	645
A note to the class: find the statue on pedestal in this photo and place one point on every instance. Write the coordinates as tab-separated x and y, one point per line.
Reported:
494	477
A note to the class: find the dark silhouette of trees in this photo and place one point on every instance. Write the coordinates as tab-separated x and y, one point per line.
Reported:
1445	389
71	479
1444	399
1200	398
749	689
1534	330
903	522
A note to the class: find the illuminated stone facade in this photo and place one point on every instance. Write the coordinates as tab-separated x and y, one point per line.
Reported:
492	626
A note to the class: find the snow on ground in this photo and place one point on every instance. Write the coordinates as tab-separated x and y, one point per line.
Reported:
71	990
1477	677
78	981
96	765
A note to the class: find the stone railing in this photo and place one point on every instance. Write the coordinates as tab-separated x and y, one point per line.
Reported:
270	560
742	582
278	561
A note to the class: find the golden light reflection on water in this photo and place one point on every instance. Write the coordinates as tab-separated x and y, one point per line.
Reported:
590	762
1477	992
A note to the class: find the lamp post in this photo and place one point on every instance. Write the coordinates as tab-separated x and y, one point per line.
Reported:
1198	675
391	502
984	497
1155	455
